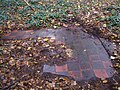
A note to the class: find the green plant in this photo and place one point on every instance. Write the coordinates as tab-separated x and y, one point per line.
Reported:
43	15
46	13
8	8
114	19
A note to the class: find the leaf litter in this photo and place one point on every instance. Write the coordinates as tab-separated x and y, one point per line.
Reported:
19	58
21	64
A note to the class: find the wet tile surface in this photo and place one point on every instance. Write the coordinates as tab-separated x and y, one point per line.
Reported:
88	74
73	66
97	65
62	68
101	73
90	58
85	65
48	68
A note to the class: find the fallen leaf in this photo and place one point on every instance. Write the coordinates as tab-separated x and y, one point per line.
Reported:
105	81
77	24
69	52
29	48
46	39
65	25
104	25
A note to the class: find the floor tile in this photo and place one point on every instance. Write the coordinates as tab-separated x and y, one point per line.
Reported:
87	74
48	68
101	73
104	57
75	74
85	65
62	68
73	66
97	65
107	64
62	73
94	57
91	52
110	72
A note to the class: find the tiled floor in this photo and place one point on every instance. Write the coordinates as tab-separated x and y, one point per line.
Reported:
90	58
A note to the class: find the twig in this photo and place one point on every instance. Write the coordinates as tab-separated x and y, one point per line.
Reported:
28	4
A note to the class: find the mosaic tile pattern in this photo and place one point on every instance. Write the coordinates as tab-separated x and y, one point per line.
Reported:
90	58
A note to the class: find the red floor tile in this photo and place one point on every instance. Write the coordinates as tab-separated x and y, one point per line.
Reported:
63	68
107	64
101	73
75	74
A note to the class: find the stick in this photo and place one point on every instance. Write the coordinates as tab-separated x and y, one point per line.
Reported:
28	4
